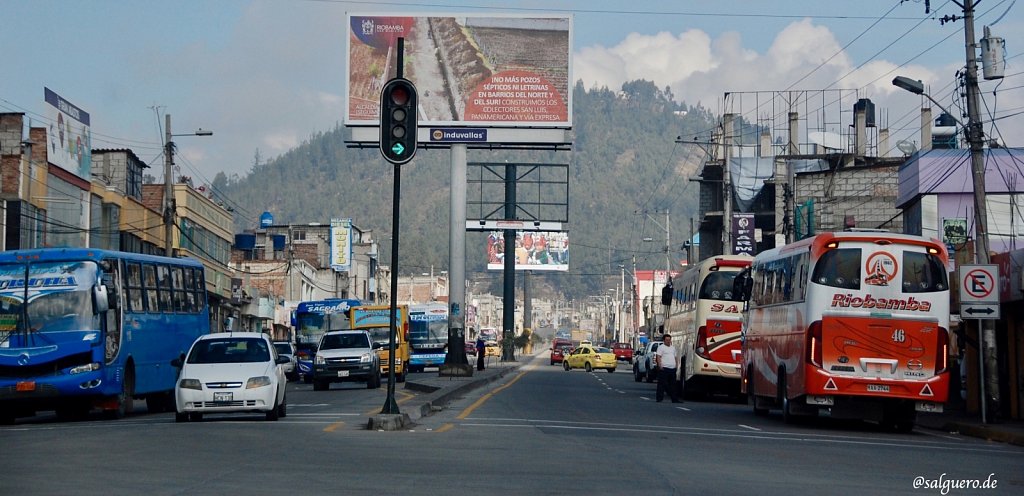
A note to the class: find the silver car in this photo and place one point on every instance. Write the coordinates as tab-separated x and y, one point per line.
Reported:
287	349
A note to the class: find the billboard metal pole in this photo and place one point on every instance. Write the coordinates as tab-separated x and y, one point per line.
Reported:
455	362
508	313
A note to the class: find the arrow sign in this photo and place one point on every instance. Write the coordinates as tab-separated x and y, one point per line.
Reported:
398	148
985	310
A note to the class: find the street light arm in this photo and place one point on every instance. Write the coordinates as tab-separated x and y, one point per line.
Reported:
917	88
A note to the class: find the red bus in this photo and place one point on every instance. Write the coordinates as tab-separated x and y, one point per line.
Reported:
856	323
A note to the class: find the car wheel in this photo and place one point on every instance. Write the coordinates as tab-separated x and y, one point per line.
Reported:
565	365
587	367
180	417
282	409
195	417
649	376
636	374
611	370
306	379
274	413
320	385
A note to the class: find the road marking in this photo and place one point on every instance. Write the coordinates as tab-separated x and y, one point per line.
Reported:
332	427
305	405
645	398
683	408
749	427
408	396
465	413
444	428
323	414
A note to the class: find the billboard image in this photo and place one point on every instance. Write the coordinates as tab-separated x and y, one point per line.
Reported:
534	250
69	138
469	70
341	244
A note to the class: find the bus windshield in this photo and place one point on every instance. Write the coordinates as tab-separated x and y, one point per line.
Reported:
718	286
59	296
311	324
426	334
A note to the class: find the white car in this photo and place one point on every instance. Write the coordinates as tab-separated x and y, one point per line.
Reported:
231	372
287	350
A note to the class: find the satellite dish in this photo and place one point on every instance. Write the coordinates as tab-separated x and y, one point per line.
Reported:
827	140
907	147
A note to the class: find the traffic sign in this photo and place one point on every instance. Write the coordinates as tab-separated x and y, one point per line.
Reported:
978	296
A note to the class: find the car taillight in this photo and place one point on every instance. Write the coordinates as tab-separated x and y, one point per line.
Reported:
942	351
814	344
701	347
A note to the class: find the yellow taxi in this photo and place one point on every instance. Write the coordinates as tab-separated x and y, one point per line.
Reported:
589	357
492	349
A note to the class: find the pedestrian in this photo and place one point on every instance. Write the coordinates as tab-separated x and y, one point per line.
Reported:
667	361
481	350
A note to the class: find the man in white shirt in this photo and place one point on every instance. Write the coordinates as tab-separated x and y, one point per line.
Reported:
667	361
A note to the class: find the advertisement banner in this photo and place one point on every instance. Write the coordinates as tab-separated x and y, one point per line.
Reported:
533	251
341	244
469	69
743	235
69	137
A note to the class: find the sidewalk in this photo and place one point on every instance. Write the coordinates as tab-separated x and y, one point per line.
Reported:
955	420
442	390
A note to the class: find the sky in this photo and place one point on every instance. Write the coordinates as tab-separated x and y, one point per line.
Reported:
267	75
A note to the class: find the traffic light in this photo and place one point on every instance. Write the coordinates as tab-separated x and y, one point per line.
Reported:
398	121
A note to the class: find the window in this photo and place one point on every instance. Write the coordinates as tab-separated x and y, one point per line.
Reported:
149	283
178	284
923	273
133	287
199	288
718	286
839	268
163	277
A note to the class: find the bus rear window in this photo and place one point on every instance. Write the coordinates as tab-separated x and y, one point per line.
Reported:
923	273
839	268
718	286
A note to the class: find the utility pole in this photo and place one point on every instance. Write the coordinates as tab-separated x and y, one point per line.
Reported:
169	206
728	135
975	136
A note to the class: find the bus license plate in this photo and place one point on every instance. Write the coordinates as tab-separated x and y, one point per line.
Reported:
26	386
222	396
342	373
878	388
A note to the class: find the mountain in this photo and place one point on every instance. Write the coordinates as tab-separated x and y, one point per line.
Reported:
625	161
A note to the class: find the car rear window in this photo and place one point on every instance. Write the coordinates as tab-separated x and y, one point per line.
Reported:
230	350
283	348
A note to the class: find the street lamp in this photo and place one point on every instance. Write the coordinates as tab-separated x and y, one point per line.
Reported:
169	206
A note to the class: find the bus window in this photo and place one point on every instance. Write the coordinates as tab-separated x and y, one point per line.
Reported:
718	286
923	273
149	279
133	287
163	278
177	282
839	268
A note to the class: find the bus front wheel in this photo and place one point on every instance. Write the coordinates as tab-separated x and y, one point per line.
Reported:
124	403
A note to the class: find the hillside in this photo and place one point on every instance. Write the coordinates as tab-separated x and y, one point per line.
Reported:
624	160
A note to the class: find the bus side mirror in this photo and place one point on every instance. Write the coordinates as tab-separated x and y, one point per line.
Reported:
99	298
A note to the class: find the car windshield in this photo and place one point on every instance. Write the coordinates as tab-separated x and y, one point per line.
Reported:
229	350
602	350
283	348
344	341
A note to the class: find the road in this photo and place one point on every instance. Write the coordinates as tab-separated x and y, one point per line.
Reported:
540	430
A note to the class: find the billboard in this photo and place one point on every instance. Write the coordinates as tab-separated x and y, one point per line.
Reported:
69	138
469	70
743	234
534	250
341	245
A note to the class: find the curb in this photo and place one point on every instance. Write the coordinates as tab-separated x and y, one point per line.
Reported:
985	432
440	396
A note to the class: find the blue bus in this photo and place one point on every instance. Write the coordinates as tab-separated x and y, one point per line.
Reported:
83	328
311	320
428	335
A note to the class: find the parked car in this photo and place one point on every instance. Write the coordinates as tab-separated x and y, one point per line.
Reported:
643	363
304	353
470	348
492	349
287	349
236	372
346	356
588	358
623	351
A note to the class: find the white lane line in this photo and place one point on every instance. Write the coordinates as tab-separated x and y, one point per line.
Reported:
749	427
645	398
683	408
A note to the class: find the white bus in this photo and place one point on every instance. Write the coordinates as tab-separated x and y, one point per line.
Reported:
704	319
